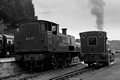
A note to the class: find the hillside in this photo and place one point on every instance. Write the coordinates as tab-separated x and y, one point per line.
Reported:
115	44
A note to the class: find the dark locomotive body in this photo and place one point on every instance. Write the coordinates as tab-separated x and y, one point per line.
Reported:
40	43
95	48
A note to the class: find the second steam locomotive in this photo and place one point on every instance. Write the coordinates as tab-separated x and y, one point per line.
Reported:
95	48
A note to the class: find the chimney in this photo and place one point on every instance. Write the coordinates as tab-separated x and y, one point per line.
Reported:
64	31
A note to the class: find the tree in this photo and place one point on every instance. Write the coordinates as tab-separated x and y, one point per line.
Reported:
15	11
2	27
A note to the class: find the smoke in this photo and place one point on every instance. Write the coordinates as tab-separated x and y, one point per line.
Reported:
98	11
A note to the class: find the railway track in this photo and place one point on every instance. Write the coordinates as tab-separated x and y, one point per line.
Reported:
74	73
30	74
27	75
60	77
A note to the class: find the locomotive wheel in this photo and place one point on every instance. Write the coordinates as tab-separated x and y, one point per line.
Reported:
31	64
42	65
68	61
109	61
27	63
55	63
89	64
39	64
113	58
63	63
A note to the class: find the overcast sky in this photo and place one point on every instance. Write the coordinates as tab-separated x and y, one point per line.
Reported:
76	16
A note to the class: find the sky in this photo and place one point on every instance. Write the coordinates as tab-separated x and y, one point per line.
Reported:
82	15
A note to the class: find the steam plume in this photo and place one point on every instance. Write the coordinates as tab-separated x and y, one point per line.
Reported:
98	11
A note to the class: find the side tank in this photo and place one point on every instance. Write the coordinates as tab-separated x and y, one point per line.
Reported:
64	42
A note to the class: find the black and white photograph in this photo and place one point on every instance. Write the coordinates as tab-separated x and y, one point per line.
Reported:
59	40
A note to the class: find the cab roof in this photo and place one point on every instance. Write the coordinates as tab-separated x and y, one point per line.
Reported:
93	31
37	21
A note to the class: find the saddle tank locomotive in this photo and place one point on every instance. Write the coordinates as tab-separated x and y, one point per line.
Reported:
95	48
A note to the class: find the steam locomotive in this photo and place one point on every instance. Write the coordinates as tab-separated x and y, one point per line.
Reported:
95	49
39	43
6	45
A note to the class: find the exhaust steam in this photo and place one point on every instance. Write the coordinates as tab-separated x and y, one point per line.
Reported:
98	11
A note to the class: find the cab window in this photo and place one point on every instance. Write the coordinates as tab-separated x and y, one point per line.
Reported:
42	27
54	28
46	27
92	41
9	42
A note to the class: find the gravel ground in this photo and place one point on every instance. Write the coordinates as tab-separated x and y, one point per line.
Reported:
117	55
8	67
107	73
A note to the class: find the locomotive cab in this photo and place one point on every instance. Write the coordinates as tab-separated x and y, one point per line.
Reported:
50	27
35	32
